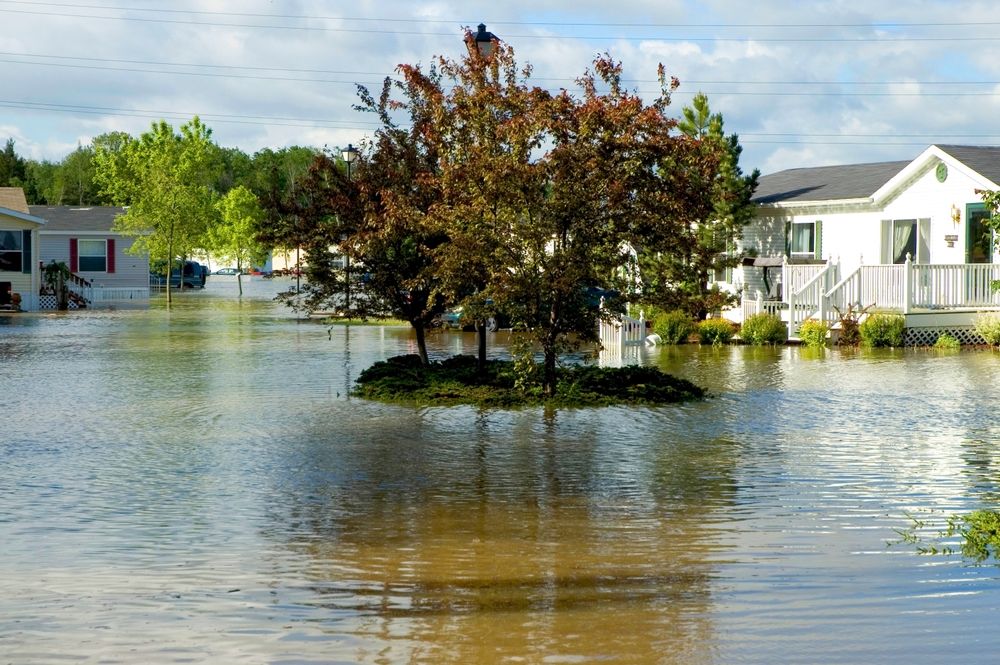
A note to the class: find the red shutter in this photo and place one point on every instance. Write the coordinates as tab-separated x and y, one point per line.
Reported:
111	254
74	256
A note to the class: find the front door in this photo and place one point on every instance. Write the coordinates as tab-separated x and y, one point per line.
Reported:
979	237
978	250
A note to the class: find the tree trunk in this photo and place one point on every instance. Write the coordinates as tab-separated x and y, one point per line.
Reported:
481	359
549	347
170	266
421	342
549	369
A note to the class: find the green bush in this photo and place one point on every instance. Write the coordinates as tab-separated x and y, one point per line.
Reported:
988	327
673	327
946	341
813	332
883	329
716	331
764	328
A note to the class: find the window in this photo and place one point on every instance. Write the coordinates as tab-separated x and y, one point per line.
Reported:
904	240
803	239
93	255
11	251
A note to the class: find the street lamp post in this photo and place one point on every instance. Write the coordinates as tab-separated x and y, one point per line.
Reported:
350	153
484	41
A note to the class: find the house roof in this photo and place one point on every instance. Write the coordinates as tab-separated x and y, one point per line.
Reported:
863	181
68	218
12	198
984	160
826	183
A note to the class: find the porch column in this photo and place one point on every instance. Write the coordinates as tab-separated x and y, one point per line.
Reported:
907	284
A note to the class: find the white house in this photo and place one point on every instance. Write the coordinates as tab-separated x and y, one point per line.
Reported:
840	230
19	273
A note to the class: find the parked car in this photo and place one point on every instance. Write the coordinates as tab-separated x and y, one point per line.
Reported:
195	275
227	271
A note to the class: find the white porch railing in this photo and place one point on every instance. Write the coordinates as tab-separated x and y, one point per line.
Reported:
901	287
957	285
101	294
808	300
751	306
622	331
794	276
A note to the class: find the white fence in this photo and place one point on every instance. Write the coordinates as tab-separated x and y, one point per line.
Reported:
106	294
622	331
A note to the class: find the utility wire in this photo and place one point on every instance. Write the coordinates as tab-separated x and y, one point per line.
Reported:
159	63
681	93
195	12
865	39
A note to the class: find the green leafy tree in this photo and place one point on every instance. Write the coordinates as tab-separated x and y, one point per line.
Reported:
13	168
46	186
681	279
75	177
166	179
234	237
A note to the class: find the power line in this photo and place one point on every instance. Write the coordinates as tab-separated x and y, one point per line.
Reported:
755	138
866	39
194	12
294	70
277	121
682	93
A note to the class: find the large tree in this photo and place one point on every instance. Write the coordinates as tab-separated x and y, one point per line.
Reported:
75	177
234	236
681	280
166	178
546	193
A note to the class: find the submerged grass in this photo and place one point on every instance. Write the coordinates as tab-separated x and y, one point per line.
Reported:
404	380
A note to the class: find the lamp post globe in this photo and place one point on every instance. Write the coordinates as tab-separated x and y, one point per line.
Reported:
484	41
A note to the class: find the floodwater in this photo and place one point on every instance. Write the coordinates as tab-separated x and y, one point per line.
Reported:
195	485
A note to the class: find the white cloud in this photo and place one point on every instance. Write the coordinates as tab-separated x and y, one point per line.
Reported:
795	103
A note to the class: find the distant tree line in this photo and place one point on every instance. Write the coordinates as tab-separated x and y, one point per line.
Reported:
268	173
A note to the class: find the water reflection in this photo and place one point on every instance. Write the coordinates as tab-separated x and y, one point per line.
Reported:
567	540
194	484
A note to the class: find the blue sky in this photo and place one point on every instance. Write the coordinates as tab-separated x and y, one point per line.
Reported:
803	84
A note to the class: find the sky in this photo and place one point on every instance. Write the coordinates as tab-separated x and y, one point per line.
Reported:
802	84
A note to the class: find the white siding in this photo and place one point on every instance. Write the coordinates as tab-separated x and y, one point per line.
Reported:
27	285
925	197
131	270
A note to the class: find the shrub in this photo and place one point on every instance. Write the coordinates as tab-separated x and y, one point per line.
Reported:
850	324
715	331
883	329
813	332
988	327
946	341
673	327
764	328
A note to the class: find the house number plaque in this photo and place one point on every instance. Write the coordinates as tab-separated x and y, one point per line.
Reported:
951	240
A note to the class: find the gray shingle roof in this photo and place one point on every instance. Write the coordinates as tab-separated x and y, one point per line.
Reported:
826	183
69	218
984	160
859	181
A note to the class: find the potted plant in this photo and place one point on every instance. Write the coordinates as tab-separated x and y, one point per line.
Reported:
55	275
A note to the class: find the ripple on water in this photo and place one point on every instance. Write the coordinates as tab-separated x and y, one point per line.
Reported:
196	485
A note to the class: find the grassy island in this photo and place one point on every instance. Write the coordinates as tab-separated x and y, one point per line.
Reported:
405	380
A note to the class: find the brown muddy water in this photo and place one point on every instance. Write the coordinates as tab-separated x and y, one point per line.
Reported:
195	485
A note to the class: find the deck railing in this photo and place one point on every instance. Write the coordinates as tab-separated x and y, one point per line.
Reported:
808	301
955	285
119	293
621	331
901	287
